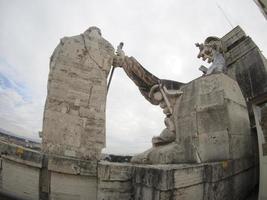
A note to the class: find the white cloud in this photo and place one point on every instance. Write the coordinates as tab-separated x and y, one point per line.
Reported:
160	34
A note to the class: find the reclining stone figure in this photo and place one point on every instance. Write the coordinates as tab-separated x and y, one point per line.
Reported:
157	91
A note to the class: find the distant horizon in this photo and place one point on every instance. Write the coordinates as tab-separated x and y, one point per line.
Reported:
7	132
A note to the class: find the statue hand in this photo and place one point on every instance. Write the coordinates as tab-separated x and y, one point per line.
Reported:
118	59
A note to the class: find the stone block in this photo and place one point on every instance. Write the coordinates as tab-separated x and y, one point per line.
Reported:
193	192
72	166
184	108
114	171
19	180
159	178
233	92
69	187
104	195
212	119
114	181
243	184
146	193
216	171
188	176
240	146
213	146
240	50
233	37
220	190
186	126
238	120
211	99
115	186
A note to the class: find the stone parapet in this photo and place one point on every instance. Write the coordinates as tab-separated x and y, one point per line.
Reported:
72	166
233	179
21	154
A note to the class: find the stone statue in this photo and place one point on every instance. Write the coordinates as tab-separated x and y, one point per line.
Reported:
74	115
211	50
157	91
198	121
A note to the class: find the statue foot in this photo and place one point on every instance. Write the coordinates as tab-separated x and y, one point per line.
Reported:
164	138
164	154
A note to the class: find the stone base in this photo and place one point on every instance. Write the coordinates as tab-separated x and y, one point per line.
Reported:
231	180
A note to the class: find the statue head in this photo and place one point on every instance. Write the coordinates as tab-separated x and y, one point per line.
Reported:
208	48
93	31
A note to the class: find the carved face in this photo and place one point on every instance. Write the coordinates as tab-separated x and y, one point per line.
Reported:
205	52
206	49
93	31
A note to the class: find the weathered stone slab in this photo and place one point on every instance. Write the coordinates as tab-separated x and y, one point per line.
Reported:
114	196
188	193
212	119
114	171
216	171
154	177
238	120
69	187
188	176
233	37
220	190
240	146
72	166
19	180
118	186
187	126
214	146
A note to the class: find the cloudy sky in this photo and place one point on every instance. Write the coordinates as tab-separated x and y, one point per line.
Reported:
159	33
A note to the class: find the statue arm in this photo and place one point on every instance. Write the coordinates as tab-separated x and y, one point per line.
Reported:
150	86
142	78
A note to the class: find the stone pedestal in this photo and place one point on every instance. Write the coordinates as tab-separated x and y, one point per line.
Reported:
212	121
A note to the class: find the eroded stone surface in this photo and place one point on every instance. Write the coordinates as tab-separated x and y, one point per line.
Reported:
74	116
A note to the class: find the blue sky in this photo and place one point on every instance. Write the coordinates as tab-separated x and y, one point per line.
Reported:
20	110
7	82
160	34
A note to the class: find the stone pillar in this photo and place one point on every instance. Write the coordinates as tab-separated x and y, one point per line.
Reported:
74	115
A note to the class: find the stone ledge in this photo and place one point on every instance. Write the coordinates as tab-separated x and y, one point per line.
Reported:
173	176
110	171
21	154
72	166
